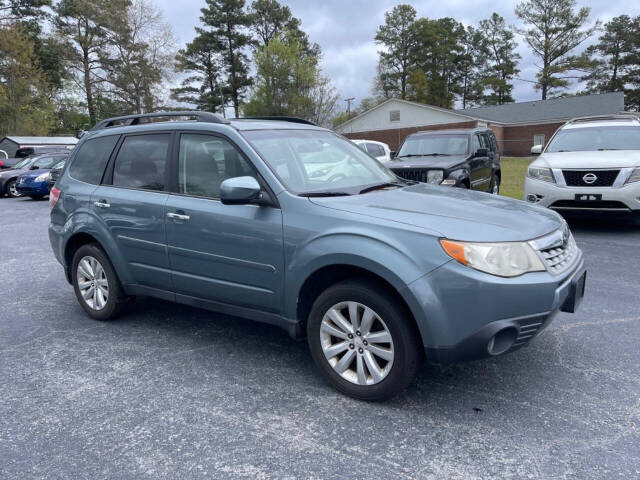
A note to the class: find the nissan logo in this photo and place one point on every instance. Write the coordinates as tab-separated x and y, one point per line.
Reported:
590	178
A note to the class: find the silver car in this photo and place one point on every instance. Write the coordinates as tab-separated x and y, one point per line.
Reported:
590	164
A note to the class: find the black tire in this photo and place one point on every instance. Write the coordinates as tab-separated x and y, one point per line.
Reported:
408	352
116	300
10	186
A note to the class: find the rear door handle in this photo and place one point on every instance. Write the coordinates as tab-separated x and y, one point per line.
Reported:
178	216
102	204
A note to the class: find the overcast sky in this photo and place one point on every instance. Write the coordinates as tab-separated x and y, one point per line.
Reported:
344	29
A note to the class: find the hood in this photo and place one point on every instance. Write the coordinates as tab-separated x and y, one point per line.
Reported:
426	162
587	160
454	213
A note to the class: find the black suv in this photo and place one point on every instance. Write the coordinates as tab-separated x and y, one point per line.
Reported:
466	158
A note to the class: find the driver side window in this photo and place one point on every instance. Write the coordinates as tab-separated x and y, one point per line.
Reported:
476	143
205	162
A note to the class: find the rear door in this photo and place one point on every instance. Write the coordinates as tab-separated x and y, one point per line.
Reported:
231	254
131	202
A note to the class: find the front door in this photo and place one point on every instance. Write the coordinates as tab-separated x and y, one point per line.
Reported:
480	164
225	253
131	203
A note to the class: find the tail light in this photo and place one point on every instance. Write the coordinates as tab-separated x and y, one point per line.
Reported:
54	195
1	163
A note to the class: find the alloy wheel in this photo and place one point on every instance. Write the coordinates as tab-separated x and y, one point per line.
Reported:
357	343
92	283
13	190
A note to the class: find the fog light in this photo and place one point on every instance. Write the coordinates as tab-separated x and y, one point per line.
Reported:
502	341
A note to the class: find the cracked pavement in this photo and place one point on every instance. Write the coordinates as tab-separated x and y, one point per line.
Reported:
169	391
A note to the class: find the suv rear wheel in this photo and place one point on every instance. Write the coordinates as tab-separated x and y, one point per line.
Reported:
96	285
362	341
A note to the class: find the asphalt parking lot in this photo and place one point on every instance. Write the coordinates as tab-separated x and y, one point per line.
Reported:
169	391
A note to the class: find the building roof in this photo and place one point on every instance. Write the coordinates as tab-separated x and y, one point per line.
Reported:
555	109
32	141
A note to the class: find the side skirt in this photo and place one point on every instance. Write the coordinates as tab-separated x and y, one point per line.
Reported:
291	326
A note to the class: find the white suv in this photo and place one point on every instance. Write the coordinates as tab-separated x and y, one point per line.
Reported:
590	163
376	149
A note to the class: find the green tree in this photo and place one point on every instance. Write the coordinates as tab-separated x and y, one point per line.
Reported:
228	23
438	52
25	106
289	83
472	62
503	60
632	73
555	29
201	61
395	62
22	10
90	27
612	56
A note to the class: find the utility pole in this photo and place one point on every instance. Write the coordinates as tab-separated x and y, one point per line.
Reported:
349	100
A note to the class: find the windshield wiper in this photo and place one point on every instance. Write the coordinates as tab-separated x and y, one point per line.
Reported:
409	155
381	185
324	194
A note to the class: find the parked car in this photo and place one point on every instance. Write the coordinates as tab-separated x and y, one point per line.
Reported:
22	153
590	164
378	150
376	271
465	158
34	183
54	174
9	178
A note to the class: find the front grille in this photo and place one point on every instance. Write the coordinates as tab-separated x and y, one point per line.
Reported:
589	205
415	174
559	258
603	178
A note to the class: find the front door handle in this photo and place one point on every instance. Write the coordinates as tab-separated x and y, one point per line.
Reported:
102	204
178	216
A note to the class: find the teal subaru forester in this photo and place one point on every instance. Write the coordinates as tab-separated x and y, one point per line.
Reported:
283	222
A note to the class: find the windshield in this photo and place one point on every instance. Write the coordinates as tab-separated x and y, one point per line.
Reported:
435	145
595	138
308	161
45	162
59	164
24	163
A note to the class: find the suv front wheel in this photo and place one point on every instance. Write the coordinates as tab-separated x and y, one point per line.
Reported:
362	341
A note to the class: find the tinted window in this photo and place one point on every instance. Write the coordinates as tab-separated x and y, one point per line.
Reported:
88	165
141	162
205	162
375	149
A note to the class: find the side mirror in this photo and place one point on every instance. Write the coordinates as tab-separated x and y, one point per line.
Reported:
536	150
34	167
239	191
393	154
482	152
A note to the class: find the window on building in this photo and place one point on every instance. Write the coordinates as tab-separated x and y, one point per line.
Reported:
538	139
394	116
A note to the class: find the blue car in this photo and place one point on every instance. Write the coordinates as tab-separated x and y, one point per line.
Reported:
34	183
376	271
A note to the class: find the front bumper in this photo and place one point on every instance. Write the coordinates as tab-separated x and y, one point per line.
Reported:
622	199
32	188
468	315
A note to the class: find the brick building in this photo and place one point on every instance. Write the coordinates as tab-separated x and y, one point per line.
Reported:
517	126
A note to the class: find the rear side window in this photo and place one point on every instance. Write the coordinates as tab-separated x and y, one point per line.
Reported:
141	162
90	161
375	149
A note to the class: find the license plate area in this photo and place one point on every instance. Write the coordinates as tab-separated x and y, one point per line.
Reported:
588	197
576	293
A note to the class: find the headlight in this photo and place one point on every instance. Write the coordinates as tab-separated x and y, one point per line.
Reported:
541	173
508	259
42	177
635	176
435	176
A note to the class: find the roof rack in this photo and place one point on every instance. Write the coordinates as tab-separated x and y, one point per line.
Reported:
615	116
128	120
281	119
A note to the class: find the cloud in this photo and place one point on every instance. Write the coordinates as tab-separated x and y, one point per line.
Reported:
345	29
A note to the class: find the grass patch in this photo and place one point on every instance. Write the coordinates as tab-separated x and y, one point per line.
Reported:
514	170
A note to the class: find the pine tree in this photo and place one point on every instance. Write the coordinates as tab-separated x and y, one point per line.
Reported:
555	29
228	24
503	60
